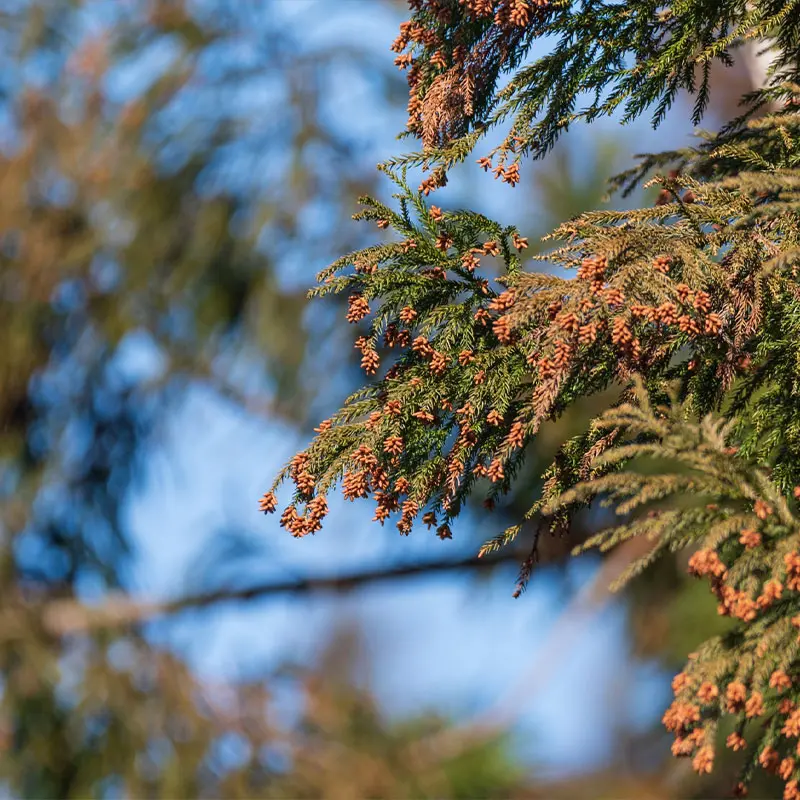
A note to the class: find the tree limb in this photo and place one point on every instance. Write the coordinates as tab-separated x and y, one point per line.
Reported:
63	617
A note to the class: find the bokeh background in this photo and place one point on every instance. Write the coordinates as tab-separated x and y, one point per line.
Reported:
173	173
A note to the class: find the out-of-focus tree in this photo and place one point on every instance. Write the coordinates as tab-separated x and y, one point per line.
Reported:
157	160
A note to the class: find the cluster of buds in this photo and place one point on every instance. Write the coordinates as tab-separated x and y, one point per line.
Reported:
414	107
478	8
513	12
707	562
466	411
393	445
404	60
299	473
771	591
567	321
316	511
612	296
509	175
408	511
409	32
370	360
439	60
466	438
700	301
356	484
422	347
444	532
666	313
686	745
519	242
502	330
621	333
689	325
680	716
482	316
438	363
393	408
736	603
761	509
373	420
713	324
684	718
504	301
516	436
750	538
662	264
518	13
293	522
407	315
435	180
746	695
444	241
547	368
791	727
696	319
494	418
469	262
780	681
792	563
386	504
496	472
582	324
358	308
553	309
735	742
268	503
393	337
587	334
562	355
593	269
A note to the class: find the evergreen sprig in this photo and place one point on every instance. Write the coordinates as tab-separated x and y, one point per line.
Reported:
746	535
689	309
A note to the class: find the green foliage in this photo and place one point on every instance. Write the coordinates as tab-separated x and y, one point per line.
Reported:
684	311
746	534
631	59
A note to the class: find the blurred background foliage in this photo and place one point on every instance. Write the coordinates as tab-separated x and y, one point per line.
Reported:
172	174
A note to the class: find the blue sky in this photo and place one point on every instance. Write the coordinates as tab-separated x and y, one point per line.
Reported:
445	642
